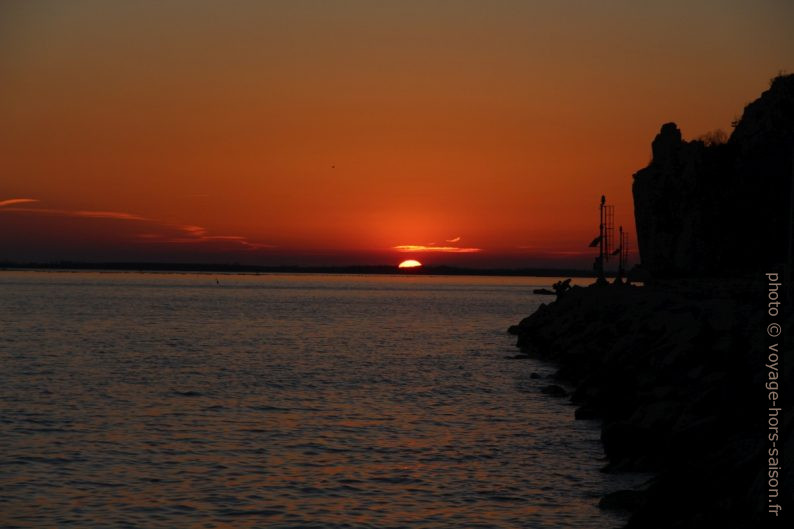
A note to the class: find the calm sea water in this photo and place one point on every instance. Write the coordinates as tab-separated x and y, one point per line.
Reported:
283	401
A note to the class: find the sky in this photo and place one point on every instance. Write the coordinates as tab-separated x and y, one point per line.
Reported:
468	133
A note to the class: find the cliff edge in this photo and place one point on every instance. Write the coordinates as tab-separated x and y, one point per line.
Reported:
711	207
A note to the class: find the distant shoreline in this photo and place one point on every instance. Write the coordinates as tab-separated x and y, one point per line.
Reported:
293	269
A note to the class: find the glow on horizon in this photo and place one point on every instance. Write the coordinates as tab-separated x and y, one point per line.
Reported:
339	132
409	263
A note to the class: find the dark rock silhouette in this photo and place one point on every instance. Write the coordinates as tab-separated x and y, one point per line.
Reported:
555	391
708	208
676	369
561	287
677	378
628	500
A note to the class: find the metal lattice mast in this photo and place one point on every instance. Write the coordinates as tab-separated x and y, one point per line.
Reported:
602	237
609	233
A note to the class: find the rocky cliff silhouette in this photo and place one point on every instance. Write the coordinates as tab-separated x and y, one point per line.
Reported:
676	369
705	207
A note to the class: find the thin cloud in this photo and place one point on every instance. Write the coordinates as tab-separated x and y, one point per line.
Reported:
198	231
432	247
193	234
12	201
424	248
188	233
236	239
224	237
118	215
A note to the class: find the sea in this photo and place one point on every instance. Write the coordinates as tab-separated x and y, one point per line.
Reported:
168	400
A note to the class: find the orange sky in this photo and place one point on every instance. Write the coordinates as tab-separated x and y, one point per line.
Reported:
301	132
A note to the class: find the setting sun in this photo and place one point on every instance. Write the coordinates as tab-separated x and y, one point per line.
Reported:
410	263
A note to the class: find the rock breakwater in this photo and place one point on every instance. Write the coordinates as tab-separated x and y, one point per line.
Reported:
676	372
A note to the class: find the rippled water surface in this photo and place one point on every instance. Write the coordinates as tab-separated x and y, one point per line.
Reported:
284	401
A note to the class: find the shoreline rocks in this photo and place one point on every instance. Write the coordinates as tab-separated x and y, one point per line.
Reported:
676	373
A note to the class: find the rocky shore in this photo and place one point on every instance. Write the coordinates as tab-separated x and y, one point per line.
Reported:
676	371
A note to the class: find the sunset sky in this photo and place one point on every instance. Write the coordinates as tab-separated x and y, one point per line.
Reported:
474	133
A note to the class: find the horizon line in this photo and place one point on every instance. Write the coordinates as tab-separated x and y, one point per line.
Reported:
154	266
